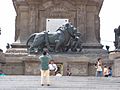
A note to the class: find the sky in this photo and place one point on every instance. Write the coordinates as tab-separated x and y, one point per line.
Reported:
109	17
109	20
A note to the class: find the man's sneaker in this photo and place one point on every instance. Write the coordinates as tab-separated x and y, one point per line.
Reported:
42	84
48	84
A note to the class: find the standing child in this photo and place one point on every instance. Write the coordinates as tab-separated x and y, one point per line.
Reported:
99	68
105	71
110	71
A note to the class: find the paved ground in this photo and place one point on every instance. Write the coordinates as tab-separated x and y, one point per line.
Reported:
59	83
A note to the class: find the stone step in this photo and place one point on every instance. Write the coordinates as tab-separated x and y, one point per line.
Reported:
59	83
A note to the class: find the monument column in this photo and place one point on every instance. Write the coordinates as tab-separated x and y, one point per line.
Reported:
91	38
92	27
33	17
97	27
22	19
81	20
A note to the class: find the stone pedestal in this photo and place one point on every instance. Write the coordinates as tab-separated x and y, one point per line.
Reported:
19	62
115	57
79	63
116	68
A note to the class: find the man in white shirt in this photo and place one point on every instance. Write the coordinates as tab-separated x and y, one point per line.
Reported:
53	68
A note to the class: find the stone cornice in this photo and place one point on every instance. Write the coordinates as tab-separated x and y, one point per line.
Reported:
18	3
100	4
50	4
97	3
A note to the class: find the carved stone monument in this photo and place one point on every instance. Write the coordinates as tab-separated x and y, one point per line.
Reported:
31	18
84	15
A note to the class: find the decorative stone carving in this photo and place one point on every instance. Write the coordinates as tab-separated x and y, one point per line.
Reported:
47	4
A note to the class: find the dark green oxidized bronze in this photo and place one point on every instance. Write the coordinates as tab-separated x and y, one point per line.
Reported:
117	38
63	39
